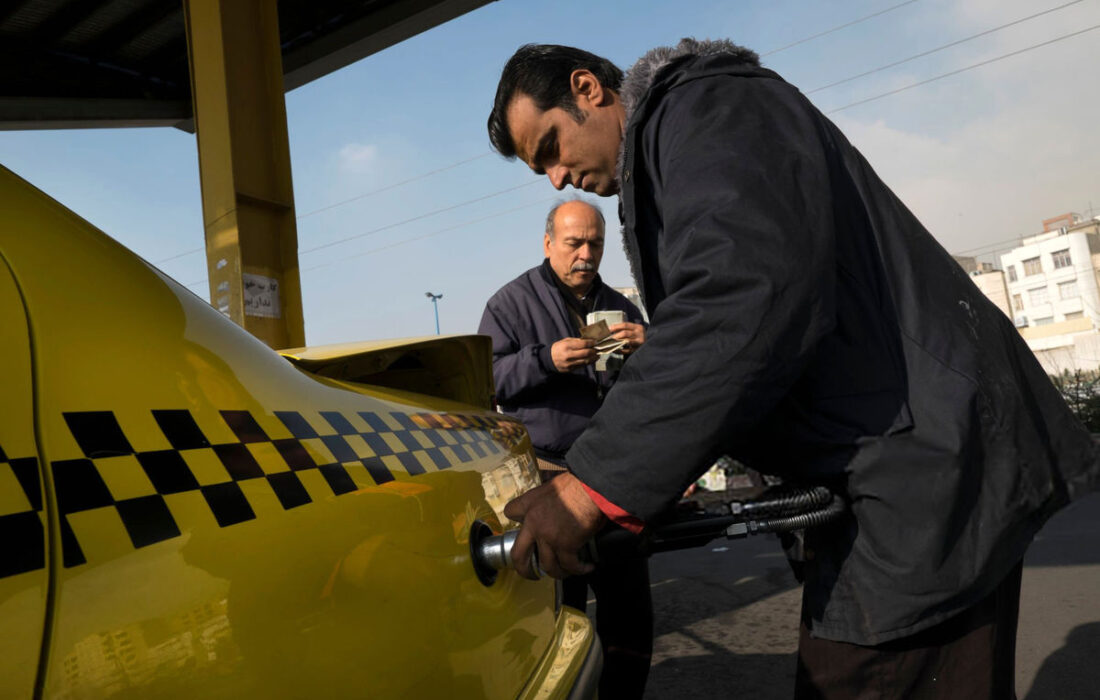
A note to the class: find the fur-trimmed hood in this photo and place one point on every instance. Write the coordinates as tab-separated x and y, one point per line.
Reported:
641	75
639	78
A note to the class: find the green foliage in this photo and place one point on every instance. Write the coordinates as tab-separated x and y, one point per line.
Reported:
1082	392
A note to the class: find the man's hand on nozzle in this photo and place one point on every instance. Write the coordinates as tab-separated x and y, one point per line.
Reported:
632	333
558	519
570	353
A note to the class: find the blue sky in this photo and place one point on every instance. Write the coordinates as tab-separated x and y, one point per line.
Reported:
981	157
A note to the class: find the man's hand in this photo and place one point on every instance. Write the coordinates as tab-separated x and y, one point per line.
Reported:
632	333
558	519
571	353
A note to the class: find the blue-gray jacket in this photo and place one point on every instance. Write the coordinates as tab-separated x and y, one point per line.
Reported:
524	318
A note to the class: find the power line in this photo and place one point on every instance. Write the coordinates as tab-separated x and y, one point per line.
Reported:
179	255
389	226
434	233
418	218
1000	245
993	247
838	28
416	238
399	184
963	70
414	178
940	48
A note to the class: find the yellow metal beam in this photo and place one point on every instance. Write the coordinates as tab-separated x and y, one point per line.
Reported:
244	166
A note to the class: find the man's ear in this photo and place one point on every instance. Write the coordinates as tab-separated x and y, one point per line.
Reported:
586	87
546	245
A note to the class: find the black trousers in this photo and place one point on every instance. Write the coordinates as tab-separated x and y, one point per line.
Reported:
624	622
971	656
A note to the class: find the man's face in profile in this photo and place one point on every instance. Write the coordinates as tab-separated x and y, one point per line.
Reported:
582	153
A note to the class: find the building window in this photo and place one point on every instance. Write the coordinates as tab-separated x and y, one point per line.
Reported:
1075	315
1068	290
1032	267
1037	296
1061	259
1011	273
1043	321
1017	302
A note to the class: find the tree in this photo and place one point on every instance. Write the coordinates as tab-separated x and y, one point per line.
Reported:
1081	390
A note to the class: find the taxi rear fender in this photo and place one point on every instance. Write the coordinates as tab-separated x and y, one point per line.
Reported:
458	368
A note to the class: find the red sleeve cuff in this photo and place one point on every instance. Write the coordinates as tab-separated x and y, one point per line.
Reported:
614	513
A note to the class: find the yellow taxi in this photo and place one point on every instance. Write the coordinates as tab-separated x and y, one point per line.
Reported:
186	513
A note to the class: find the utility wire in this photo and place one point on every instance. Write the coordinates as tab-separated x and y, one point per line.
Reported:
434	233
387	226
417	218
941	48
993	247
963	70
179	255
399	184
838	28
421	176
416	238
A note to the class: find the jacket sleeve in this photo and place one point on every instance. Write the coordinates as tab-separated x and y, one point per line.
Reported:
745	252
516	368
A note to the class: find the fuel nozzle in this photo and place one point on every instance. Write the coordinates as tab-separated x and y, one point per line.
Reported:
493	553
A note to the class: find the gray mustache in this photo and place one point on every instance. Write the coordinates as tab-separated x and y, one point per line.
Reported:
583	267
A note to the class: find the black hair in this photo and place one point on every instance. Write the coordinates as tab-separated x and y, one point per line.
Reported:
541	71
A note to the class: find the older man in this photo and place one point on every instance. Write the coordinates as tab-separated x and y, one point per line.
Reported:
546	376
804	322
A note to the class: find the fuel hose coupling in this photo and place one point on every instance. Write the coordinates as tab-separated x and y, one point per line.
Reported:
493	553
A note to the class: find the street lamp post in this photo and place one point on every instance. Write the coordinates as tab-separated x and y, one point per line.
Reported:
435	304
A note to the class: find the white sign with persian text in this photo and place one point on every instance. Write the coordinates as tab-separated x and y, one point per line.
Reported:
261	296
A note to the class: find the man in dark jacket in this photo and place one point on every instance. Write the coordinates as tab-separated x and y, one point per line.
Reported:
803	321
547	376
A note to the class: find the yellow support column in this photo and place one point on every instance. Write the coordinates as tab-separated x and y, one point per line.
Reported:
244	166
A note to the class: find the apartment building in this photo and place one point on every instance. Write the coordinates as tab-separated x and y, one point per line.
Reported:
1054	294
634	297
989	279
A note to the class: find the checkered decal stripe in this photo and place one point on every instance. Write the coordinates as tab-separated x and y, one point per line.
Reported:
412	441
22	528
503	430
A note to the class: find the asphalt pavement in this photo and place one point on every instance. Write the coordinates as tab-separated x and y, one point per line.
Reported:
727	616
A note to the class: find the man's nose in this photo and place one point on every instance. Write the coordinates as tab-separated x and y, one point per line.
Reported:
559	176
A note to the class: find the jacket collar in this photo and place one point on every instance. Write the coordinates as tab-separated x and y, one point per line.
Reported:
641	76
580	305
643	73
637	82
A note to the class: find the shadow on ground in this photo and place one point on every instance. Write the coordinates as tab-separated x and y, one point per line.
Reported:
726	626
726	621
1073	670
724	675
1070	538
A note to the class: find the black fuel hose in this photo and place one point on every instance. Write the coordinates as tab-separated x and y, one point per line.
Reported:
802	521
793	509
780	509
786	501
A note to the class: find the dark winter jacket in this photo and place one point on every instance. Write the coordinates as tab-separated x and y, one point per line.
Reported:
804	321
524	318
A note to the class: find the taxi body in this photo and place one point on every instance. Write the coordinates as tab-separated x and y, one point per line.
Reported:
187	513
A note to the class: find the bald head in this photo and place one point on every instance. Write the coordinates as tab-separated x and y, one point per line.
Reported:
576	207
574	244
